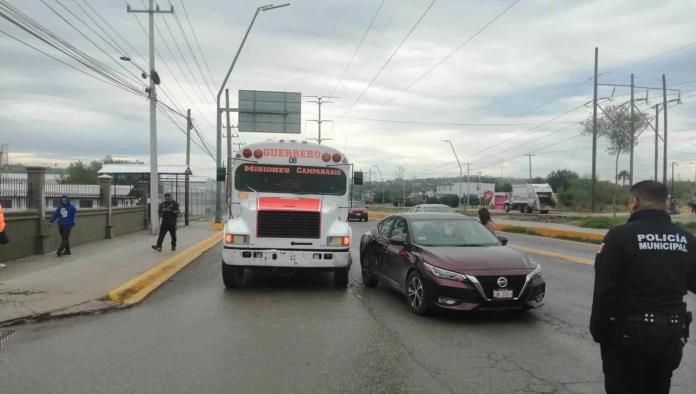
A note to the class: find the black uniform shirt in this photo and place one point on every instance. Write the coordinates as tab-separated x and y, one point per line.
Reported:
645	265
169	211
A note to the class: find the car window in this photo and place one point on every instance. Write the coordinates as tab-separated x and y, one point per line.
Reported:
452	232
400	229
384	227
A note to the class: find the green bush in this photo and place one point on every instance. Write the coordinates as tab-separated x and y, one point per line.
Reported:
450	199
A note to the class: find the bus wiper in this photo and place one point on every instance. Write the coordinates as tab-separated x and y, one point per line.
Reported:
251	188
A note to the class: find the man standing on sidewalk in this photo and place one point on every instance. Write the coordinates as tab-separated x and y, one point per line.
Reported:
169	212
66	215
643	270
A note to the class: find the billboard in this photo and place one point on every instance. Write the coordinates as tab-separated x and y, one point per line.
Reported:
269	112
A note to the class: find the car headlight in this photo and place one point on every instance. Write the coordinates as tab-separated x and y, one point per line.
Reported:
236	239
442	273
338	241
536	273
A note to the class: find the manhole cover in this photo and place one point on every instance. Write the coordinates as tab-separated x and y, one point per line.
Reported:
5	336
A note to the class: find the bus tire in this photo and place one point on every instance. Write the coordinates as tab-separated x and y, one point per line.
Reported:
232	276
340	277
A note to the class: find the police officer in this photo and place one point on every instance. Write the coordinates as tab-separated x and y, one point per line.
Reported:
169	212
642	272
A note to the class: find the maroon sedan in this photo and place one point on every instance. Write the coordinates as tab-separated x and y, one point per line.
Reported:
449	261
358	211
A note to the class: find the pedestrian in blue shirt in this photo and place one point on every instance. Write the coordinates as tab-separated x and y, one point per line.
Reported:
66	215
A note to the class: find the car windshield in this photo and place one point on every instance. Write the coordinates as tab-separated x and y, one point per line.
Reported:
438	208
452	232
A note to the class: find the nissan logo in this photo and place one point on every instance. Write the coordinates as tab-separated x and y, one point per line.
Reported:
502	281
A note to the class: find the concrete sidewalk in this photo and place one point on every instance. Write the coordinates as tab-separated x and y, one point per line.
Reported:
47	285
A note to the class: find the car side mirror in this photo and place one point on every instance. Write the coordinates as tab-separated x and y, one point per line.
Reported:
396	240
503	240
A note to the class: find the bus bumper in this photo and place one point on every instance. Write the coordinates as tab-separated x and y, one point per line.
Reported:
316	258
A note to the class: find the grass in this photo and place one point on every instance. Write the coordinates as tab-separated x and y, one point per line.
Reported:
691	226
606	222
529	231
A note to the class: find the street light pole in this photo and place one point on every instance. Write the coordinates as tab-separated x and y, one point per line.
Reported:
461	170
218	185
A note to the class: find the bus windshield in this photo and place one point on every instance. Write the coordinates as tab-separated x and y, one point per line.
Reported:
290	179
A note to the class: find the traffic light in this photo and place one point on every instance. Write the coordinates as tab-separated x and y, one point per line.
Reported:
221	174
358	178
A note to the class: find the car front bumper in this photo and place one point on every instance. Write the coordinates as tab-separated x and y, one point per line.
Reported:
286	258
470	295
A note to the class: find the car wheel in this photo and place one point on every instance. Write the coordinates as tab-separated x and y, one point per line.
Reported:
232	276
340	277
368	275
418	297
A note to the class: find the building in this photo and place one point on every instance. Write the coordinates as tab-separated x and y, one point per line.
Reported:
474	188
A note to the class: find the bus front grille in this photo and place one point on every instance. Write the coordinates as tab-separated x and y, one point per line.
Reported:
280	224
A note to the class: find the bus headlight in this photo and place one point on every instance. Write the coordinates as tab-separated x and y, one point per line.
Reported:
338	241
236	239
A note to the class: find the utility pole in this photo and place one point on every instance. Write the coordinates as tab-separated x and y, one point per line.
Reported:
154	81
664	138
530	165
672	198
594	129
229	146
633	135
657	136
468	182
187	191
319	101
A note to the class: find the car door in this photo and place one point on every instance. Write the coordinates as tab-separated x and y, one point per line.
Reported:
397	257
381	244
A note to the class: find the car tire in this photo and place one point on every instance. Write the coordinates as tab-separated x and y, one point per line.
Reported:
417	294
232	276
340	277
369	278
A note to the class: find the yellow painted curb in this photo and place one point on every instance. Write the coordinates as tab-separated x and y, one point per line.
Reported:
377	215
218	225
542	252
556	233
136	289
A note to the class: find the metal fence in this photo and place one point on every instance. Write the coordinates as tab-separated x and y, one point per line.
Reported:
13	193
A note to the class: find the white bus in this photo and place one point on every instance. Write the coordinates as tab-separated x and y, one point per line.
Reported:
288	210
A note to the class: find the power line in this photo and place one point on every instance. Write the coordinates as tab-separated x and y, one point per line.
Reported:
648	59
193	53
436	123
195	37
381	69
444	59
362	40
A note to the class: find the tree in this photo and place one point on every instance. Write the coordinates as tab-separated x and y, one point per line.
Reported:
82	173
560	179
614	125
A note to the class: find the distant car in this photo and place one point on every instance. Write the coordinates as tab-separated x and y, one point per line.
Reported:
449	261
358	211
431	208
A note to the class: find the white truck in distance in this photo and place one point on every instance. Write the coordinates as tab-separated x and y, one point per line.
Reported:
288	210
530	197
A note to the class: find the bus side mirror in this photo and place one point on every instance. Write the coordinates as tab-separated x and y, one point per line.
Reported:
358	178
503	240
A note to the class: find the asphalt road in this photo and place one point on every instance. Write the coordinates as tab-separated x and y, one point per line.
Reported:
297	334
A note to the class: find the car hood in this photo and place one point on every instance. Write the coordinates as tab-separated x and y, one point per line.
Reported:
475	260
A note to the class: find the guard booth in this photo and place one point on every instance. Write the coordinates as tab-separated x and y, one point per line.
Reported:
174	179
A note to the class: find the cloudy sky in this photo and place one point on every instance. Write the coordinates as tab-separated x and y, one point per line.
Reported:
516	87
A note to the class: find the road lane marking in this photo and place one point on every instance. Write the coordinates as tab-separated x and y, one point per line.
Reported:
547	253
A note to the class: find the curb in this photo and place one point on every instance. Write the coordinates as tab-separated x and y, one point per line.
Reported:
378	215
136	289
581	236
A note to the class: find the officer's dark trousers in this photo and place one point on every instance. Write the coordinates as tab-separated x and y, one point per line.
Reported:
167	227
64	239
640	359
